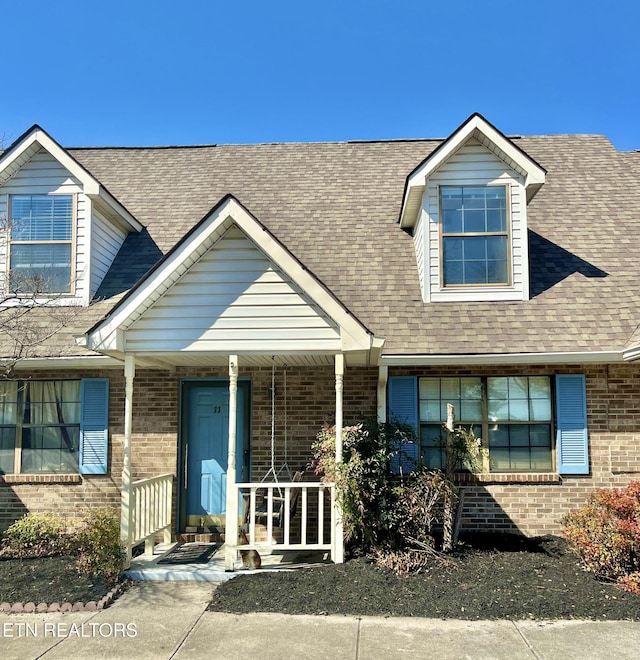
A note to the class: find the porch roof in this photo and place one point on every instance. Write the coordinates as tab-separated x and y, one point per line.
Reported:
230	287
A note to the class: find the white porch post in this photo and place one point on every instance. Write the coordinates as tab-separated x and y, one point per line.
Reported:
126	511
338	531
231	518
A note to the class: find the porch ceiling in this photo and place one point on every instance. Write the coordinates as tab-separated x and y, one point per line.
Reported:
208	360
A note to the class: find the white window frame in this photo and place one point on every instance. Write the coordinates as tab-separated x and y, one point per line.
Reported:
485	422
71	242
507	234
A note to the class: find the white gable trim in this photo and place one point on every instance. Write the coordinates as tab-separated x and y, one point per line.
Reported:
109	335
35	139
479	128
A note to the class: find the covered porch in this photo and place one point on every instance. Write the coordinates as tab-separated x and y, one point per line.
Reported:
278	511
231	297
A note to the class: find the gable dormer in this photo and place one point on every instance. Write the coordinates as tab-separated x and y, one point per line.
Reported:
60	229
466	205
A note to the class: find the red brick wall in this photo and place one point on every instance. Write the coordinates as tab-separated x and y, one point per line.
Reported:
515	503
155	433
505	503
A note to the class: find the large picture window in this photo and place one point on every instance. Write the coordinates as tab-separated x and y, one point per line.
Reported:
39	427
41	243
513	415
475	237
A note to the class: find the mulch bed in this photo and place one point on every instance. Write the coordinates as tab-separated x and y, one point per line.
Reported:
492	577
48	580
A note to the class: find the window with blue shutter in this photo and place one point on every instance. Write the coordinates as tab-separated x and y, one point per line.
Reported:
94	435
572	438
403	408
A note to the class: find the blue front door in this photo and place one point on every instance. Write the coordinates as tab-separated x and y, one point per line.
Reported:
207	441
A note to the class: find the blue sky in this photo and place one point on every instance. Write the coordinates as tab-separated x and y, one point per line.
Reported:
201	72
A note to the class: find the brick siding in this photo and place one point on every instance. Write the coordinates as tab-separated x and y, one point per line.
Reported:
155	432
524	504
531	505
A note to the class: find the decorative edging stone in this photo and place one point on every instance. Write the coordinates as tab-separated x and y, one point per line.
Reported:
89	606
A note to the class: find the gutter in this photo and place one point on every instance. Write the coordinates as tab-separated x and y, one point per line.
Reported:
576	357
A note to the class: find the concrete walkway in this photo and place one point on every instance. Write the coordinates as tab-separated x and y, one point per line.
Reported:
168	620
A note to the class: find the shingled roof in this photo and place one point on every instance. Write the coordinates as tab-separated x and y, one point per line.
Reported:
336	206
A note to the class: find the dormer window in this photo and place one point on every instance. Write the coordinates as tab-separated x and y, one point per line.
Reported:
475	235
41	243
466	208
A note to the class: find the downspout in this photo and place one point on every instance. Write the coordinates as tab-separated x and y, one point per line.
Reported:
383	377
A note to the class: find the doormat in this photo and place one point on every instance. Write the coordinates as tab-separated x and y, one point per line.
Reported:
191	553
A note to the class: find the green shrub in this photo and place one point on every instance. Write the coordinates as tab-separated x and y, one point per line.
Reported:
35	535
97	544
364	483
605	533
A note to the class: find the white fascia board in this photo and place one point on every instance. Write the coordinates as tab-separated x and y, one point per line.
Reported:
79	362
631	354
90	185
105	336
599	357
115	206
376	351
535	175
354	335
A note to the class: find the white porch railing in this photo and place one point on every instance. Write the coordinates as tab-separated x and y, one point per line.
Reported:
288	516
150	511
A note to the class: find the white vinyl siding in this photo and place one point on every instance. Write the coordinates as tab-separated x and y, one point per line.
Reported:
234	299
475	165
106	240
44	175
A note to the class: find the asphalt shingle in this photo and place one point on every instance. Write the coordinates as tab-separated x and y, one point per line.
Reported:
336	207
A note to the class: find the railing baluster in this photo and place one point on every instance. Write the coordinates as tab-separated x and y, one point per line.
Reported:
252	513
151	508
287	514
310	527
269	514
303	530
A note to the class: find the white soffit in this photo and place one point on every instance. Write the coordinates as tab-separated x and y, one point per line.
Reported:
479	128
109	334
21	151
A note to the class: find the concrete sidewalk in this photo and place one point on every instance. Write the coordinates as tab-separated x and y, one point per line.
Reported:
168	620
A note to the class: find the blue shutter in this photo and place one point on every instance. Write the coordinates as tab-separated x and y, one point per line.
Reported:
572	440
403	400
403	407
405	459
94	418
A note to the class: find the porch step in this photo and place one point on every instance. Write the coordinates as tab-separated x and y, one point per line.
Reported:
147	568
200	537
